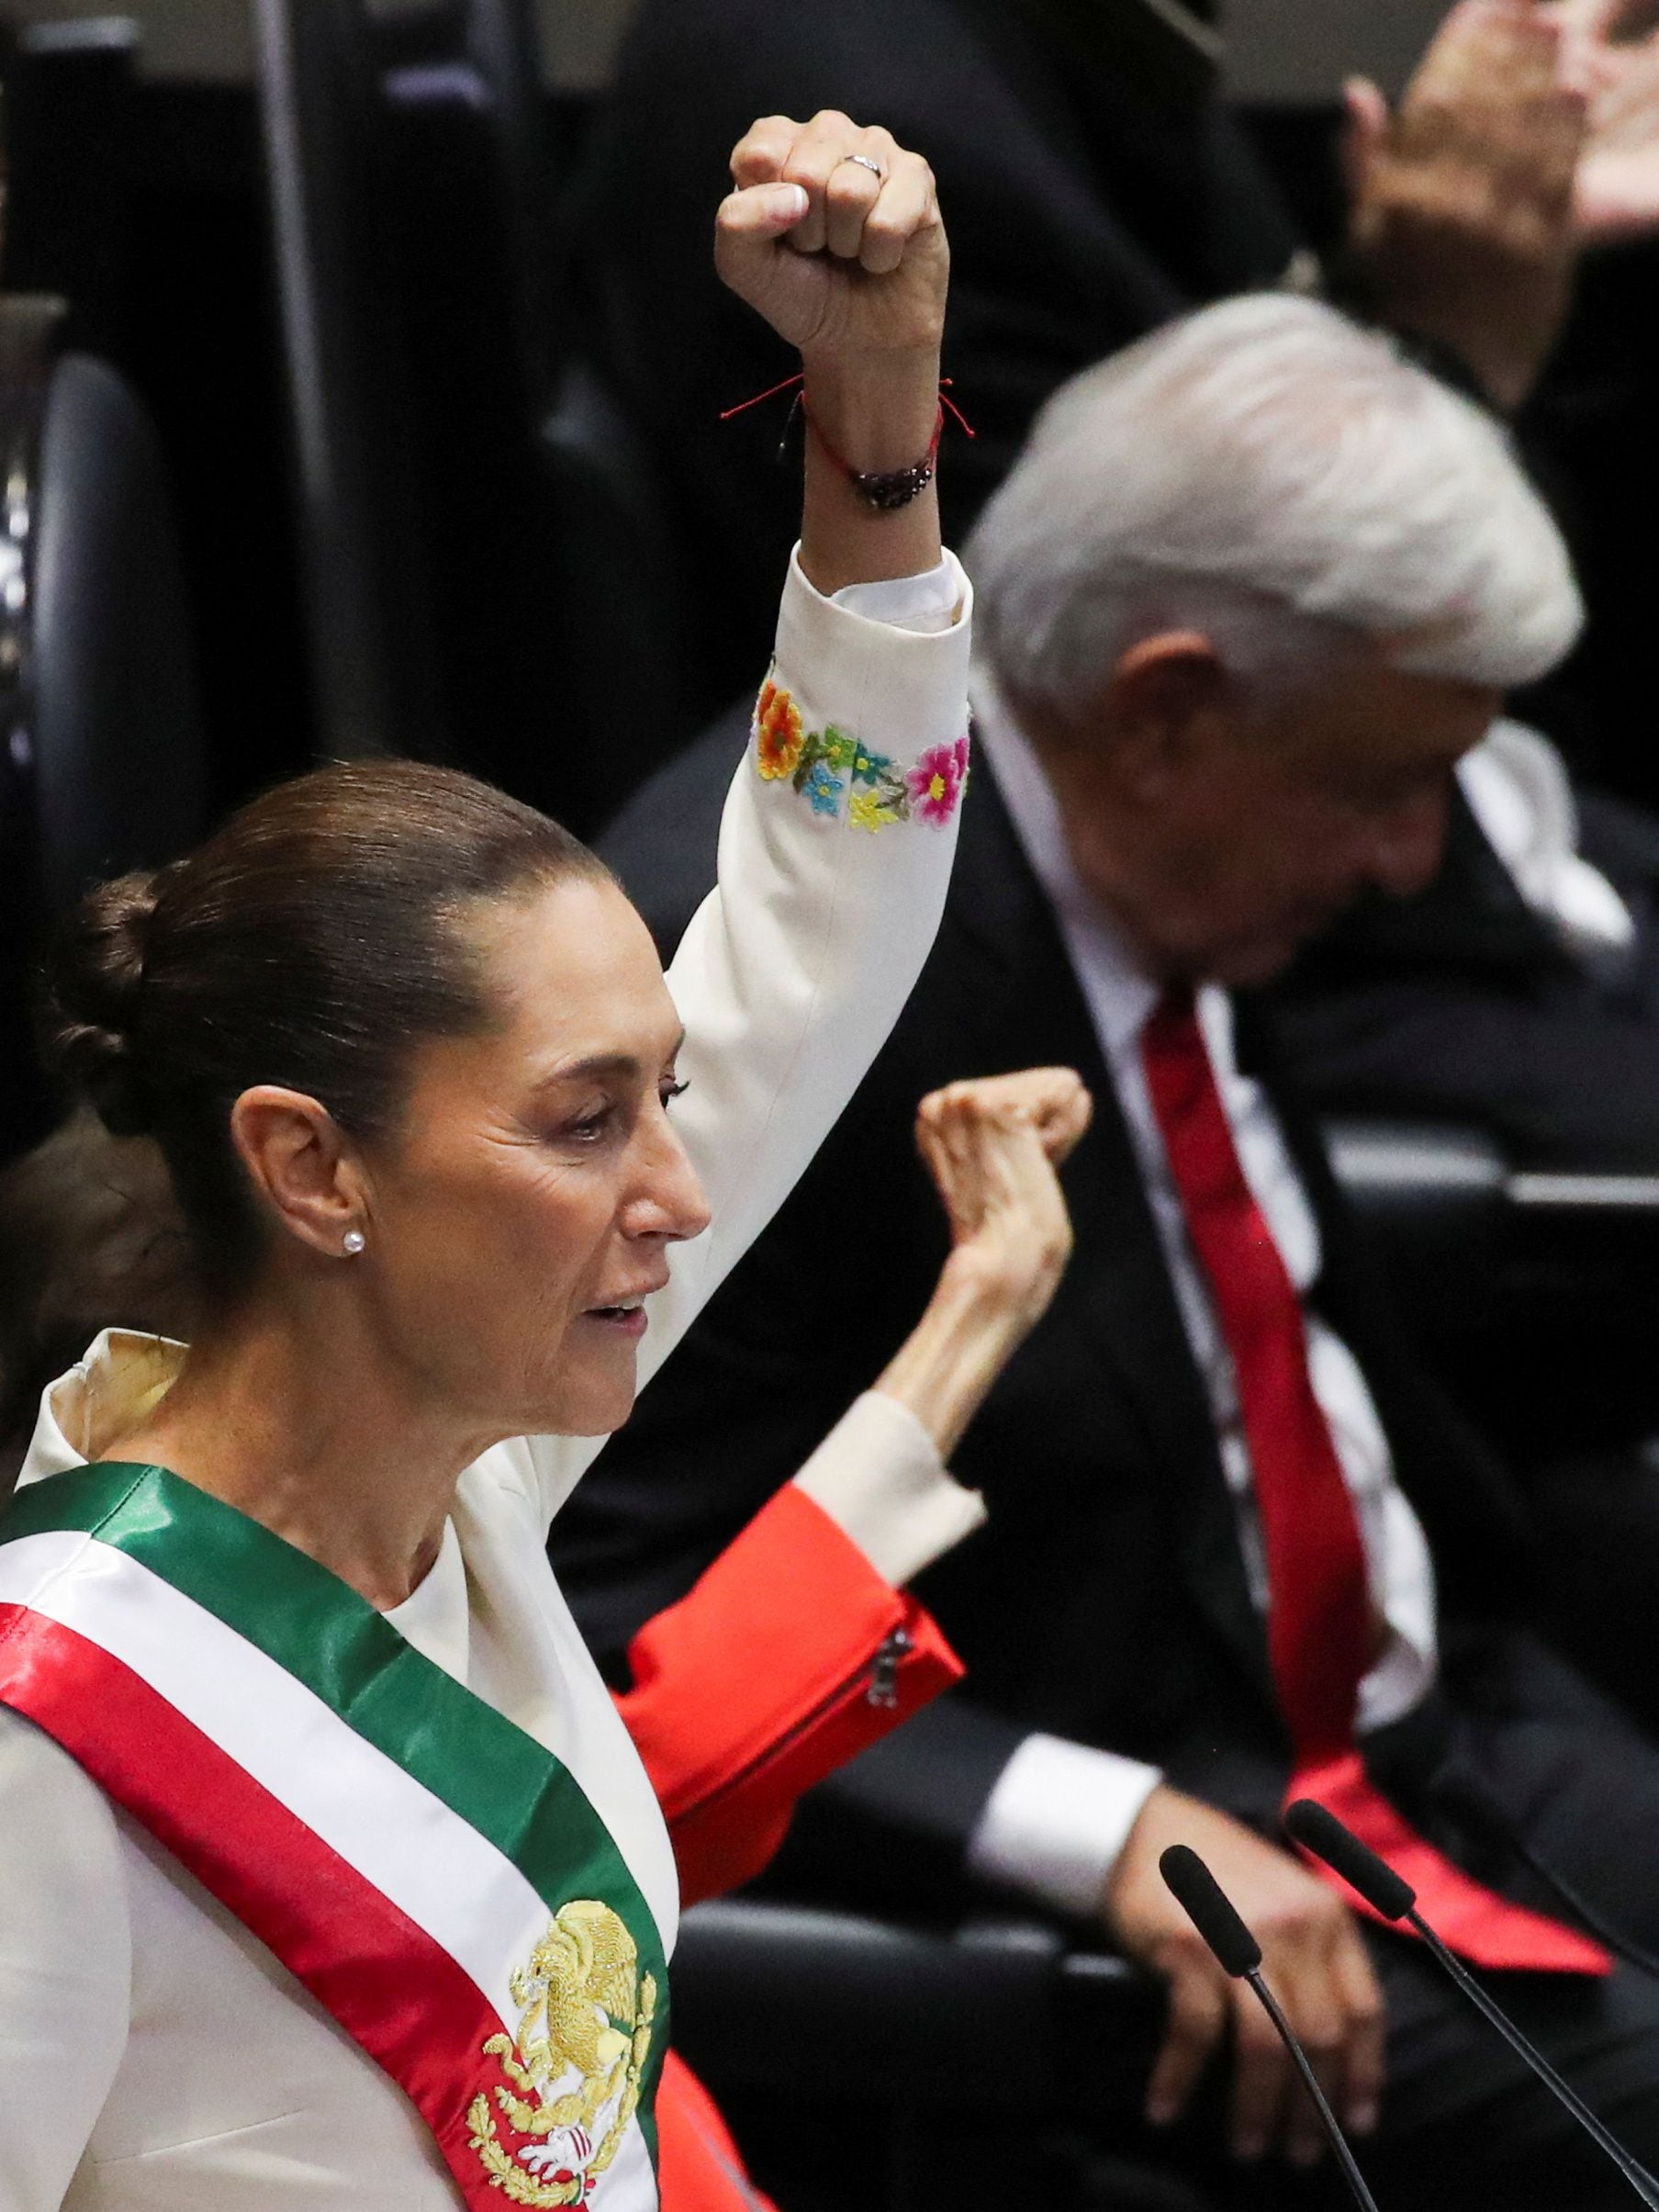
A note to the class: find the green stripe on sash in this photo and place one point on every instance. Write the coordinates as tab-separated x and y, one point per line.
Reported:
485	1769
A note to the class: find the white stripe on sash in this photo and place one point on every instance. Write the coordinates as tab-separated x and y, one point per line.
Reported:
449	1880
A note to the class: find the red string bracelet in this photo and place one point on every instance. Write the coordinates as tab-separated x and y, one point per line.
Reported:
886	489
791	383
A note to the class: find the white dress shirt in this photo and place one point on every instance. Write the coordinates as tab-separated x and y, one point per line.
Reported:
1060	1811
1519	791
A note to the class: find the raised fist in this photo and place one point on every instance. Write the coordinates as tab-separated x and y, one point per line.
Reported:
992	1146
833	235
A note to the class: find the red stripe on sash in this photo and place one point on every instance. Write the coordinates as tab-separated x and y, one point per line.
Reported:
396	1992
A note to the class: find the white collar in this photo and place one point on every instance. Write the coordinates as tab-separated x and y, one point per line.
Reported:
1122	995
117	1383
435	1616
120	1381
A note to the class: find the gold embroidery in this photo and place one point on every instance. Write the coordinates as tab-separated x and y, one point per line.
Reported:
588	2015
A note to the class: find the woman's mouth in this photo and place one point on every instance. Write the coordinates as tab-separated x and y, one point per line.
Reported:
627	1321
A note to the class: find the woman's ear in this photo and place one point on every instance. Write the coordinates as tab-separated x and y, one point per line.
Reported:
300	1165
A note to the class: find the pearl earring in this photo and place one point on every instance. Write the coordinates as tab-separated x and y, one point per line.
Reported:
355	1242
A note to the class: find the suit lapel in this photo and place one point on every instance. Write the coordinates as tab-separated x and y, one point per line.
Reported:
1119	1291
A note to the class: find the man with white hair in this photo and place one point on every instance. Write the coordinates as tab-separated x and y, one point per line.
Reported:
1257	586
1254	589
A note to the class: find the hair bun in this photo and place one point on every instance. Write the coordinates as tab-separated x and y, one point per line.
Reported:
94	982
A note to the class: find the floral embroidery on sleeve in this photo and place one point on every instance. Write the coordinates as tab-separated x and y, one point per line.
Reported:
778	736
937	781
827	766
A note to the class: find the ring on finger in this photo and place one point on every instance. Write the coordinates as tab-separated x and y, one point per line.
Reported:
864	162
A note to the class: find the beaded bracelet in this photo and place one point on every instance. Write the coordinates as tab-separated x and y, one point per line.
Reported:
885	490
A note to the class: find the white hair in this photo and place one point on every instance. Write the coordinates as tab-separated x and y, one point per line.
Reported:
1285	482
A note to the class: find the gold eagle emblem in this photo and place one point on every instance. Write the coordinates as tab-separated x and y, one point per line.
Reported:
573	2071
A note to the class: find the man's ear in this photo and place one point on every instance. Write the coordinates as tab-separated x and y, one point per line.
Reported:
1157	703
300	1165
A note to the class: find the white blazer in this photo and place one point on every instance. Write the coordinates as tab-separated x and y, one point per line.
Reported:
153	2056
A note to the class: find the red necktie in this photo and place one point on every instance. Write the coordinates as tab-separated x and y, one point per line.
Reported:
1320	1614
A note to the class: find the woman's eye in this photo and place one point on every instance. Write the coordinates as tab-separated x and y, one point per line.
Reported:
591	1126
671	1091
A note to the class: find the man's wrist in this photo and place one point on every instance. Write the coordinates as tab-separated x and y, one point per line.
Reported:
1056	1822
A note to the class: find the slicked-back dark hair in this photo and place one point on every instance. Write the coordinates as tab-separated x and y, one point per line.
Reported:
312	942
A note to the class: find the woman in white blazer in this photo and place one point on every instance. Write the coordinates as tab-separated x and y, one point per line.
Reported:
332	1878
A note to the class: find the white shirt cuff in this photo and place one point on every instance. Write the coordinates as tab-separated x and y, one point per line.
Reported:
879	1476
927	603
1058	1820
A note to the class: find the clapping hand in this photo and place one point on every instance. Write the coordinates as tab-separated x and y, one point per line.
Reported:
1609	54
1463	221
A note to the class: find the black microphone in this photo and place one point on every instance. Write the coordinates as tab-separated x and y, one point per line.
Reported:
1210	1910
1323	1834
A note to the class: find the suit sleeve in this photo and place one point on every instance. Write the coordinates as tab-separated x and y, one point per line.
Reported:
897	1823
787	1658
835	851
1056	1822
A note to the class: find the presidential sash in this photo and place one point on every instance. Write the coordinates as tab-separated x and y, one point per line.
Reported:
433	1876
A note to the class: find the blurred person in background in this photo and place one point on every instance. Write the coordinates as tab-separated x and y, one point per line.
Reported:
1257	588
1100	185
88	1230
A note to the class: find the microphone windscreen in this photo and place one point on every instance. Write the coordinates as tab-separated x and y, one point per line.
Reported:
1322	1834
1209	1909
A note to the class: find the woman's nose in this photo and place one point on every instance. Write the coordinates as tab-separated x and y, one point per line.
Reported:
669	1200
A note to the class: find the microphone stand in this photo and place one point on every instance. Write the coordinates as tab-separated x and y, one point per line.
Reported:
1237	1952
1310	2081
1639	2179
1320	1831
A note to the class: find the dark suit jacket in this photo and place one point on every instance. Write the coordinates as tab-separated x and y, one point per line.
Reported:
1460	1005
1093	186
1107	1600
